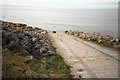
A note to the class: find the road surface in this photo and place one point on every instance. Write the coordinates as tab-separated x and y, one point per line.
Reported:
87	60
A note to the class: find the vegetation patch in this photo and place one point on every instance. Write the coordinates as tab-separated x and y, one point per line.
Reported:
104	44
16	66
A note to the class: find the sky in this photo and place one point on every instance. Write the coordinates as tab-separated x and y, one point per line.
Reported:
62	4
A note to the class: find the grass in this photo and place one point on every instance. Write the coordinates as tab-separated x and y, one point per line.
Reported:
16	66
104	44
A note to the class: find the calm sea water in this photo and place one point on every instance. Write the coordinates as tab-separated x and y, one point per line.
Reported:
104	21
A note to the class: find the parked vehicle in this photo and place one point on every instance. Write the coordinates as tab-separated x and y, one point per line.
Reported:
54	31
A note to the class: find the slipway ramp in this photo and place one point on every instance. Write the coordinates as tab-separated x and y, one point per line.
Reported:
87	60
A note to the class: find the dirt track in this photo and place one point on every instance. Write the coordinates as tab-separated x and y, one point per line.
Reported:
87	60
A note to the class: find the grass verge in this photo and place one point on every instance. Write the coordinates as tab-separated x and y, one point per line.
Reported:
103	44
16	66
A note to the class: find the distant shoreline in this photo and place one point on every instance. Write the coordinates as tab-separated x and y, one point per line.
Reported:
62	27
59	30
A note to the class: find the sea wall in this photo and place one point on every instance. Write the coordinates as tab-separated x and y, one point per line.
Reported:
110	40
26	40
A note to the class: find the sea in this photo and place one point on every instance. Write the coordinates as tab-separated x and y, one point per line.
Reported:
102	21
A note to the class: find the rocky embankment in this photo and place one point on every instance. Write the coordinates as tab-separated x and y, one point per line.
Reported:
100	39
27	52
30	41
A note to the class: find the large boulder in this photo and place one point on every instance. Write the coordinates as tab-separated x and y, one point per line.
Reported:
15	46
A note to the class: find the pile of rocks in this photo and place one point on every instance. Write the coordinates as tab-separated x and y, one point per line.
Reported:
31	41
115	41
24	28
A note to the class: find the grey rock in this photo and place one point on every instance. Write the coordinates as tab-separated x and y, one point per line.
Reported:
44	49
34	39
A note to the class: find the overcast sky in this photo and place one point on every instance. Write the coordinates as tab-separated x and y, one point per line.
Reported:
69	4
